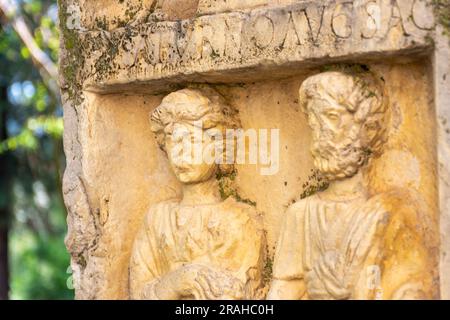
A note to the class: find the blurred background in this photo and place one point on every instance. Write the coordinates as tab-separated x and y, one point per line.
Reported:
34	263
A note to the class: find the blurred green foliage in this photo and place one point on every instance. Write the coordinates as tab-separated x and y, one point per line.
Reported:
32	116
39	266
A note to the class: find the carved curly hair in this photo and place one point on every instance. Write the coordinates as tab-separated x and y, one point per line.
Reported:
361	94
191	105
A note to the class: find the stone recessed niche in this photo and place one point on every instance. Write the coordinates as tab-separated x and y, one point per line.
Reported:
256	55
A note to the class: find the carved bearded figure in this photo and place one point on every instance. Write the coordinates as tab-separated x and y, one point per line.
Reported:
199	247
345	242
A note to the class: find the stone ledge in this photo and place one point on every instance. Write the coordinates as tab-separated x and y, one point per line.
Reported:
225	46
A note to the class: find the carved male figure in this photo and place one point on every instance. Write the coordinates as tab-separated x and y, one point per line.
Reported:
199	247
345	242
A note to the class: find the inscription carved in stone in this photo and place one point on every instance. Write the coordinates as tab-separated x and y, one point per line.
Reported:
239	40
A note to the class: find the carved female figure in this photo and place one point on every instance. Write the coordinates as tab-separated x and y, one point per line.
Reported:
199	247
345	242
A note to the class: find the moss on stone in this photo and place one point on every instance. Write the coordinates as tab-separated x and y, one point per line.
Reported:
315	183
101	23
268	271
442	12
73	60
227	189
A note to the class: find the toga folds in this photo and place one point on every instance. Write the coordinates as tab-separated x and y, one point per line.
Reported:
227	237
380	248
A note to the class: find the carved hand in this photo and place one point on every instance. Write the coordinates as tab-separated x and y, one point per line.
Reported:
212	284
197	282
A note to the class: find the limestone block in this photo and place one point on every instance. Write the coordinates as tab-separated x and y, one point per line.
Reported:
123	61
277	40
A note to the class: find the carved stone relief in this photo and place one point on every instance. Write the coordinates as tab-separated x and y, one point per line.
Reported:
346	242
353	209
159	49
199	247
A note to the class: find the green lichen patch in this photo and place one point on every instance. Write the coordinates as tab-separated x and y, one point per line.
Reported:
314	184
227	188
442	12
101	23
268	271
72	60
368	153
104	64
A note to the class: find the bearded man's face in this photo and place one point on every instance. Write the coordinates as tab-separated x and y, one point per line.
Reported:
336	148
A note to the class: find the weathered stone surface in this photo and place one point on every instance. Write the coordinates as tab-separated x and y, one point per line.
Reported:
349	241
198	247
251	44
441	69
120	59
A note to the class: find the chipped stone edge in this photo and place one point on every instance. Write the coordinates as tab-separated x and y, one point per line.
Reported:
441	66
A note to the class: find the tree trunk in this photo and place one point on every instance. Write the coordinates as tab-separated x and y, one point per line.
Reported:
4	270
5	201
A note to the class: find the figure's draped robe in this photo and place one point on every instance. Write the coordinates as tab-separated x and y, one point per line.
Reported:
360	249
210	235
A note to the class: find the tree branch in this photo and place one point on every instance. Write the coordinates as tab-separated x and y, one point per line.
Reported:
47	68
